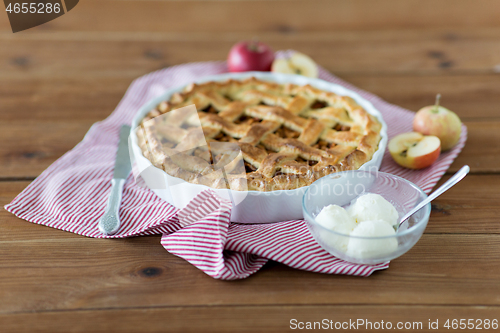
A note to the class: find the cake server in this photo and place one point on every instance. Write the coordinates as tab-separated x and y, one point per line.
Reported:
110	221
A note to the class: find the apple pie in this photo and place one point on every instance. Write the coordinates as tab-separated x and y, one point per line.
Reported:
287	136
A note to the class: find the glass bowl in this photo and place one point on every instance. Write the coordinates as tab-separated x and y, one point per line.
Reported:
344	187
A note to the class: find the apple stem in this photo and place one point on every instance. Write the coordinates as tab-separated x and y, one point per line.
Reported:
254	45
436	106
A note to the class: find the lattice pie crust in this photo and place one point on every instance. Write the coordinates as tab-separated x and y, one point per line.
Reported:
289	135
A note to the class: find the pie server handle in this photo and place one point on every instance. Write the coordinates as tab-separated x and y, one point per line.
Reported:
110	221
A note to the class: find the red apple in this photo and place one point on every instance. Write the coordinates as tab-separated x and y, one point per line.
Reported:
250	56
415	151
439	121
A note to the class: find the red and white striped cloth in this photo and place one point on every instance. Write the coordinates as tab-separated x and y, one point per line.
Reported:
72	193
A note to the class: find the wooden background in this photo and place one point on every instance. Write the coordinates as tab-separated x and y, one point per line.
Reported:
59	78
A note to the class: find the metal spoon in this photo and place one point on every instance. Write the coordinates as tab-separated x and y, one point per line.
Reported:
443	188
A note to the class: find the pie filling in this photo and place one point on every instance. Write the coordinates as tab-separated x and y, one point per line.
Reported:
257	135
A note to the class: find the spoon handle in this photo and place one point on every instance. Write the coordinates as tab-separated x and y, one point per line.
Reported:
443	188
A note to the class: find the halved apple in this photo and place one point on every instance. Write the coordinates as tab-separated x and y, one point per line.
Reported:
415	151
298	63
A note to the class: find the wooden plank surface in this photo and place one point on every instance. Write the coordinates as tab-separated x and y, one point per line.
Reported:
59	271
258	16
471	207
472	97
243	319
53	275
38	55
59	78
74	104
42	142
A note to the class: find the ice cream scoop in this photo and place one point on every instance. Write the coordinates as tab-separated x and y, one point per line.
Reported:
370	247
336	218
371	207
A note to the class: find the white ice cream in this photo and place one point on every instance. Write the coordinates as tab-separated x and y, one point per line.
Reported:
370	207
369	216
369	248
336	218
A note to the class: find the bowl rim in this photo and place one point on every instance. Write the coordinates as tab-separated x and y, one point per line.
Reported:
310	219
272	77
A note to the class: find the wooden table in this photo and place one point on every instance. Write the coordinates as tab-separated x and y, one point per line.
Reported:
59	78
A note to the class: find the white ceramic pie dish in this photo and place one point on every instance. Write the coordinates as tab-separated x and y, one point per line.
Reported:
249	206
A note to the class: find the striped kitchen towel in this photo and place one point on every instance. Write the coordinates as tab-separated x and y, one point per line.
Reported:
72	193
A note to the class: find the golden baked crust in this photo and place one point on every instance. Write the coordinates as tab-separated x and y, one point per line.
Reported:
289	135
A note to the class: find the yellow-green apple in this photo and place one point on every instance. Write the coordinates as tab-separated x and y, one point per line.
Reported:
439	121
414	150
297	63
